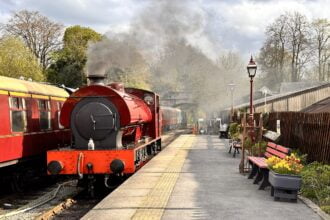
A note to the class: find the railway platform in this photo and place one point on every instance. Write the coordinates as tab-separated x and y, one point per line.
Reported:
194	178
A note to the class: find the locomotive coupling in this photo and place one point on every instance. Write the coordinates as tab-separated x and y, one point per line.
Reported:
54	167
117	166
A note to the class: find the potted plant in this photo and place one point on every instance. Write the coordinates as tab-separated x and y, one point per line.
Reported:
284	176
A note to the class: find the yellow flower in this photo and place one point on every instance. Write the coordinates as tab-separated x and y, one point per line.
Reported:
288	165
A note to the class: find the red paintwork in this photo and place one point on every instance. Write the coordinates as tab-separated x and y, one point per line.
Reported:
132	110
21	145
100	159
4	116
155	126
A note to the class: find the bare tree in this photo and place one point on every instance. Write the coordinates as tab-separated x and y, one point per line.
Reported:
39	33
298	42
278	35
321	44
274	56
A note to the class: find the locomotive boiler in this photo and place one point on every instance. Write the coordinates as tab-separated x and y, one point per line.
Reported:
115	130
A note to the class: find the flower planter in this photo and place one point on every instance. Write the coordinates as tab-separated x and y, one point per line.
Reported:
284	186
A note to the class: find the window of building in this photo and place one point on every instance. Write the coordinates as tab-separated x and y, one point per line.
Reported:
17	114
44	112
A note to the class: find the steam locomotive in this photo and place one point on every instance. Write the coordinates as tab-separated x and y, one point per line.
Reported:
115	131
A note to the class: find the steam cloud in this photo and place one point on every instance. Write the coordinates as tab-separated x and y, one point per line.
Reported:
161	23
168	37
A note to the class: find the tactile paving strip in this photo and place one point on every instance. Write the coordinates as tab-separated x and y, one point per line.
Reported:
155	202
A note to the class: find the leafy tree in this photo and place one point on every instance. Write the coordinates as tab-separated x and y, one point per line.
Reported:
41	35
16	60
69	62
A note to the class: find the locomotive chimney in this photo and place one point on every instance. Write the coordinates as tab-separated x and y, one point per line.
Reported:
95	80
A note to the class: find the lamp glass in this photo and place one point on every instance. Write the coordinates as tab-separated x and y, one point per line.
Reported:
252	70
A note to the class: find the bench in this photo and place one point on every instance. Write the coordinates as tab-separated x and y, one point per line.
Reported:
236	145
259	165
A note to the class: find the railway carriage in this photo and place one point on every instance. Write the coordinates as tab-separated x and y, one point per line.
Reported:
29	126
172	118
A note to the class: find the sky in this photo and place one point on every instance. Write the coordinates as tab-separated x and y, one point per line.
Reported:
237	25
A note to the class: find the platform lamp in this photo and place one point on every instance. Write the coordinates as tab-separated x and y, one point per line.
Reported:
252	70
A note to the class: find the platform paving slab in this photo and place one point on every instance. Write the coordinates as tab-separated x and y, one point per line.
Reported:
195	178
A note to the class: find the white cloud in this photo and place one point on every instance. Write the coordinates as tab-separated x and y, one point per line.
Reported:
234	24
100	15
241	24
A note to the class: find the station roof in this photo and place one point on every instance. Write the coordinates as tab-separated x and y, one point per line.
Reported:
319	107
19	85
282	95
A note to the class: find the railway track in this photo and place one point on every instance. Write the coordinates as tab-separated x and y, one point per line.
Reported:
31	204
61	200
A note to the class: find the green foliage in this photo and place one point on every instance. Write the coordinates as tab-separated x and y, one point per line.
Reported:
259	146
69	62
67	72
326	208
16	60
234	130
316	184
303	157
76	39
248	143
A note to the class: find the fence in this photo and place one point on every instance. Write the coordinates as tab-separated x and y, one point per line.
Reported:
308	132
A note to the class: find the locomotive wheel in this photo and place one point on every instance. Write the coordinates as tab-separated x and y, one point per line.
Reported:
159	146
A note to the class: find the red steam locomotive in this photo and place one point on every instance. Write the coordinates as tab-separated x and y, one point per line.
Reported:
29	127
115	131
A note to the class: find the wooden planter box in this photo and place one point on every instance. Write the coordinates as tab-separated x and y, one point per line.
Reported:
284	186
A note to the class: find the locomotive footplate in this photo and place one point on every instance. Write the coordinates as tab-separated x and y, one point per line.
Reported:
80	162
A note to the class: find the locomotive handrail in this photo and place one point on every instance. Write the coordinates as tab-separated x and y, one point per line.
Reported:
79	161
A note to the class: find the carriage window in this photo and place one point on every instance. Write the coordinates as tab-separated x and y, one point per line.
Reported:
59	106
44	110
18	114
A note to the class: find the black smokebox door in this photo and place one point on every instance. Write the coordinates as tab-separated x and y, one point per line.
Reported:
95	120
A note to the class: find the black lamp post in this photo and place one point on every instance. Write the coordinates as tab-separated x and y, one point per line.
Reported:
252	70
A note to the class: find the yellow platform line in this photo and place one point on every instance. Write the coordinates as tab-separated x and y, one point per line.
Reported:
155	202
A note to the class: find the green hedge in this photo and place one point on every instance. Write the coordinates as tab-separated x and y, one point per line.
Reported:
316	184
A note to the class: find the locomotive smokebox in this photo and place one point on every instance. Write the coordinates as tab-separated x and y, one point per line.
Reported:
95	80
